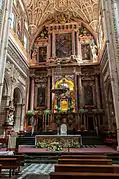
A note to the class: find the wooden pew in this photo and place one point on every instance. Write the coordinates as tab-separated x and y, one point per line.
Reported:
9	163
85	161
87	168
77	175
19	157
84	156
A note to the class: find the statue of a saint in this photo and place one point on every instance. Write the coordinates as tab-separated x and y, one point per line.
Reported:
94	50
11	118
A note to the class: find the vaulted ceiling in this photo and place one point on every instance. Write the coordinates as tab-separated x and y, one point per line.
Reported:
40	11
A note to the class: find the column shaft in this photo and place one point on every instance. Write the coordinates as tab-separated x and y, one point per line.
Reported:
4	42
32	94
97	92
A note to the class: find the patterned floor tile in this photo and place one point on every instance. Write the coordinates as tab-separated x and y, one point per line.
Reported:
36	170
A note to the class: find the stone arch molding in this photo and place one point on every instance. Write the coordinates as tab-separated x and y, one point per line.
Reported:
22	92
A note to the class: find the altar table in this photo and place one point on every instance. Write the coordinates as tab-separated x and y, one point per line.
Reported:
64	140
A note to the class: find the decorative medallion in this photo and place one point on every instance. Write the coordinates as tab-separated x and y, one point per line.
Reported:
61	5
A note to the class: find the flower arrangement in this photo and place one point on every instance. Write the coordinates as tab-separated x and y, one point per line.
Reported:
55	146
42	145
47	112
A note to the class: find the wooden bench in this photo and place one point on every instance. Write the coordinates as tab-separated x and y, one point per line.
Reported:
77	175
87	168
85	161
84	156
9	163
19	157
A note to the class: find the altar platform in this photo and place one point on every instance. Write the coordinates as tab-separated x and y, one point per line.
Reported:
85	149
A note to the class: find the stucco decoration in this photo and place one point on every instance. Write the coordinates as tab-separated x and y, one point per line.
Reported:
42	10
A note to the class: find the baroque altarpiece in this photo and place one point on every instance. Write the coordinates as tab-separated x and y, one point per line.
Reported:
65	76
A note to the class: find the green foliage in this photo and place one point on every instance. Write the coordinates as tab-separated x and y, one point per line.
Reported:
6	123
55	147
76	144
81	110
41	145
52	146
58	109
30	113
47	112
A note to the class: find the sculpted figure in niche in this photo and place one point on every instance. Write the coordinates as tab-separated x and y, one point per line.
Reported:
11	118
94	50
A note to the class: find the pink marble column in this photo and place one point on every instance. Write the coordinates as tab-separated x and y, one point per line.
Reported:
48	91
27	93
81	95
53	45
32	94
97	92
48	48
73	42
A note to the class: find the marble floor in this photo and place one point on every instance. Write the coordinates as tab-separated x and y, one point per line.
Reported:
34	171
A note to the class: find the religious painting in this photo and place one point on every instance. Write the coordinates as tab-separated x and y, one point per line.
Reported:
85	49
88	94
41	97
42	54
63	45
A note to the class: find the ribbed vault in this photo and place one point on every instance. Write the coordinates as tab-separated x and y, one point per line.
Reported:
40	11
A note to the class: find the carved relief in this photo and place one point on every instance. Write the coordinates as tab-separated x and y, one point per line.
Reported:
87	77
40	11
61	5
12	72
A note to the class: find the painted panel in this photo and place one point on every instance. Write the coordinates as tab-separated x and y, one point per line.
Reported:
63	45
42	54
41	97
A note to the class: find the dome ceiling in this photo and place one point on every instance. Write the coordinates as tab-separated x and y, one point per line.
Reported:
40	11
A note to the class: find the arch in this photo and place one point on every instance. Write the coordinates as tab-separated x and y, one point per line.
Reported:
40	28
67	82
17	96
18	102
21	90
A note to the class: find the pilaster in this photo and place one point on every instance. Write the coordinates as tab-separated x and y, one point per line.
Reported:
4	42
97	92
112	61
32	93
